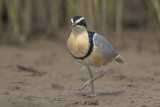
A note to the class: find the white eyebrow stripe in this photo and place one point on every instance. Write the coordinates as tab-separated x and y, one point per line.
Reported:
72	20
79	19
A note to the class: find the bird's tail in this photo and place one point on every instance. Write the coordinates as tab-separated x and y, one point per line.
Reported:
119	60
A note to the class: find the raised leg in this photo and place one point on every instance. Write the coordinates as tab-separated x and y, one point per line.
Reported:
101	73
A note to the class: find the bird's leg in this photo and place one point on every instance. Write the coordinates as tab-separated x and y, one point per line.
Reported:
101	73
91	76
88	82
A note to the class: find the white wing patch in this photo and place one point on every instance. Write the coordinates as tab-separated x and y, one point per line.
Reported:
94	38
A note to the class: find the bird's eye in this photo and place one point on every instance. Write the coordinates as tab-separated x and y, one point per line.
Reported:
82	21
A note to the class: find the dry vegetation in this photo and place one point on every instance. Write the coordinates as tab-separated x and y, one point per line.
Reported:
21	20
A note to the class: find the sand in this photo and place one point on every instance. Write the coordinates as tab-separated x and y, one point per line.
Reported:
136	84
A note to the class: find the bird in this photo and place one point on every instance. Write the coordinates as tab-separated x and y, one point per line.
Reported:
90	49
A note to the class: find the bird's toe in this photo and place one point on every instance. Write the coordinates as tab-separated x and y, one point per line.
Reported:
85	85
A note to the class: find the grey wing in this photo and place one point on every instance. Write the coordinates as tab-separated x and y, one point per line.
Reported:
105	48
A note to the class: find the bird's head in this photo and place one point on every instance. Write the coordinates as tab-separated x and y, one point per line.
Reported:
78	23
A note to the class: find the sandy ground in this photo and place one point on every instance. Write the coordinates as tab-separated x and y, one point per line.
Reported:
136	84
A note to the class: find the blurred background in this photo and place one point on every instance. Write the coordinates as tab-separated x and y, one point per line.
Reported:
36	69
123	22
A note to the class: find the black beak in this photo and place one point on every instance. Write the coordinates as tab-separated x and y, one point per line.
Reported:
74	25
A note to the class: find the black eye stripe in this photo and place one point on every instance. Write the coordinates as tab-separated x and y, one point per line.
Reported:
76	18
81	22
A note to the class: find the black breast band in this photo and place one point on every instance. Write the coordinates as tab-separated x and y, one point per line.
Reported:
90	36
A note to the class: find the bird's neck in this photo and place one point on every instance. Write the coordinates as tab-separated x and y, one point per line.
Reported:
78	31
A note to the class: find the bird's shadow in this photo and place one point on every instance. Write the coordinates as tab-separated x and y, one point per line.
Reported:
84	94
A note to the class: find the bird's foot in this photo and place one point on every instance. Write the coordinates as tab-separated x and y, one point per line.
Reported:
91	95
85	85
